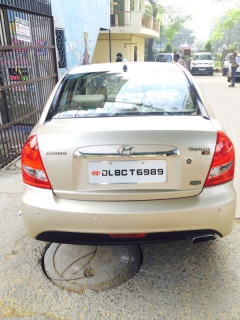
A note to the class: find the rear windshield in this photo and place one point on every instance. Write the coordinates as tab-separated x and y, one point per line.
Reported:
124	94
202	57
164	58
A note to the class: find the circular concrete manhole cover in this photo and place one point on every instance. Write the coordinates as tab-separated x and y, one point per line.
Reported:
77	268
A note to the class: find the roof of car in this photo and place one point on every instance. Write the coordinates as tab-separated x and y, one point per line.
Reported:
164	53
131	66
202	52
230	54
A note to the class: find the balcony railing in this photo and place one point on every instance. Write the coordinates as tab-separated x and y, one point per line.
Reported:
133	18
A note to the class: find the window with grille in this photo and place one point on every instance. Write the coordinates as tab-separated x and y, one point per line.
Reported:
60	41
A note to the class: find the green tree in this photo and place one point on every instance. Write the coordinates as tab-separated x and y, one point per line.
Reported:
173	29
175	24
155	8
227	29
199	44
233	47
184	35
208	45
120	5
168	48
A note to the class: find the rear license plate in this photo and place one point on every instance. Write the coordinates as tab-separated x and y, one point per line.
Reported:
120	172
202	69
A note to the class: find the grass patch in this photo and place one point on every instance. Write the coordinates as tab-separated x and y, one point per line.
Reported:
217	64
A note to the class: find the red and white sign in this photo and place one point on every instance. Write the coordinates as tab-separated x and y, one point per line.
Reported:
22	30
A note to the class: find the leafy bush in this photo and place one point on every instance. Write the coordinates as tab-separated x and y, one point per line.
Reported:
217	56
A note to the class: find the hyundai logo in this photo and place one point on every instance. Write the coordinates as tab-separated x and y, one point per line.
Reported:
95	173
126	150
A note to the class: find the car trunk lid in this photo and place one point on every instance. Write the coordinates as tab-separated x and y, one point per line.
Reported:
127	158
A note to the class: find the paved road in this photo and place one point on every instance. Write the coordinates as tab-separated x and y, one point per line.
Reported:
176	281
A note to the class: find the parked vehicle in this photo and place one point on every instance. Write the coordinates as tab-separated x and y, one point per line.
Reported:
164	57
127	153
226	63
229	74
202	63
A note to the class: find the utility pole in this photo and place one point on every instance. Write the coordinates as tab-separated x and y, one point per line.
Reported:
211	22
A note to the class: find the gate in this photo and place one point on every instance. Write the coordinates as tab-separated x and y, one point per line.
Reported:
28	70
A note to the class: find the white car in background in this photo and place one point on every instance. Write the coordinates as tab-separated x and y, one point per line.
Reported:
202	63
229	73
226	64
165	57
127	153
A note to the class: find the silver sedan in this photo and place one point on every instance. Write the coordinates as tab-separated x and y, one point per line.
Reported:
127	153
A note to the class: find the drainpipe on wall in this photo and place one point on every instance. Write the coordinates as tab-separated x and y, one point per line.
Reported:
110	46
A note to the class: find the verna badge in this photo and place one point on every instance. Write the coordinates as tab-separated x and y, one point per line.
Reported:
126	150
204	151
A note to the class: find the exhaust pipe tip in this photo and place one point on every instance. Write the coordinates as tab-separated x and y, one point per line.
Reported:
203	238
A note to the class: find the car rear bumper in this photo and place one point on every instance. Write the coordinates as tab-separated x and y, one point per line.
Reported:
225	70
237	74
202	70
51	219
105	239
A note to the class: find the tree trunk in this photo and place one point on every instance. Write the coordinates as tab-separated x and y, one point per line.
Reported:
150	41
150	50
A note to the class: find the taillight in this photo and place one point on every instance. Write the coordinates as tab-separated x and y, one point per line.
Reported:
222	167
33	171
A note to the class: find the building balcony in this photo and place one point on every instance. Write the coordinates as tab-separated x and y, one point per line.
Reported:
134	22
